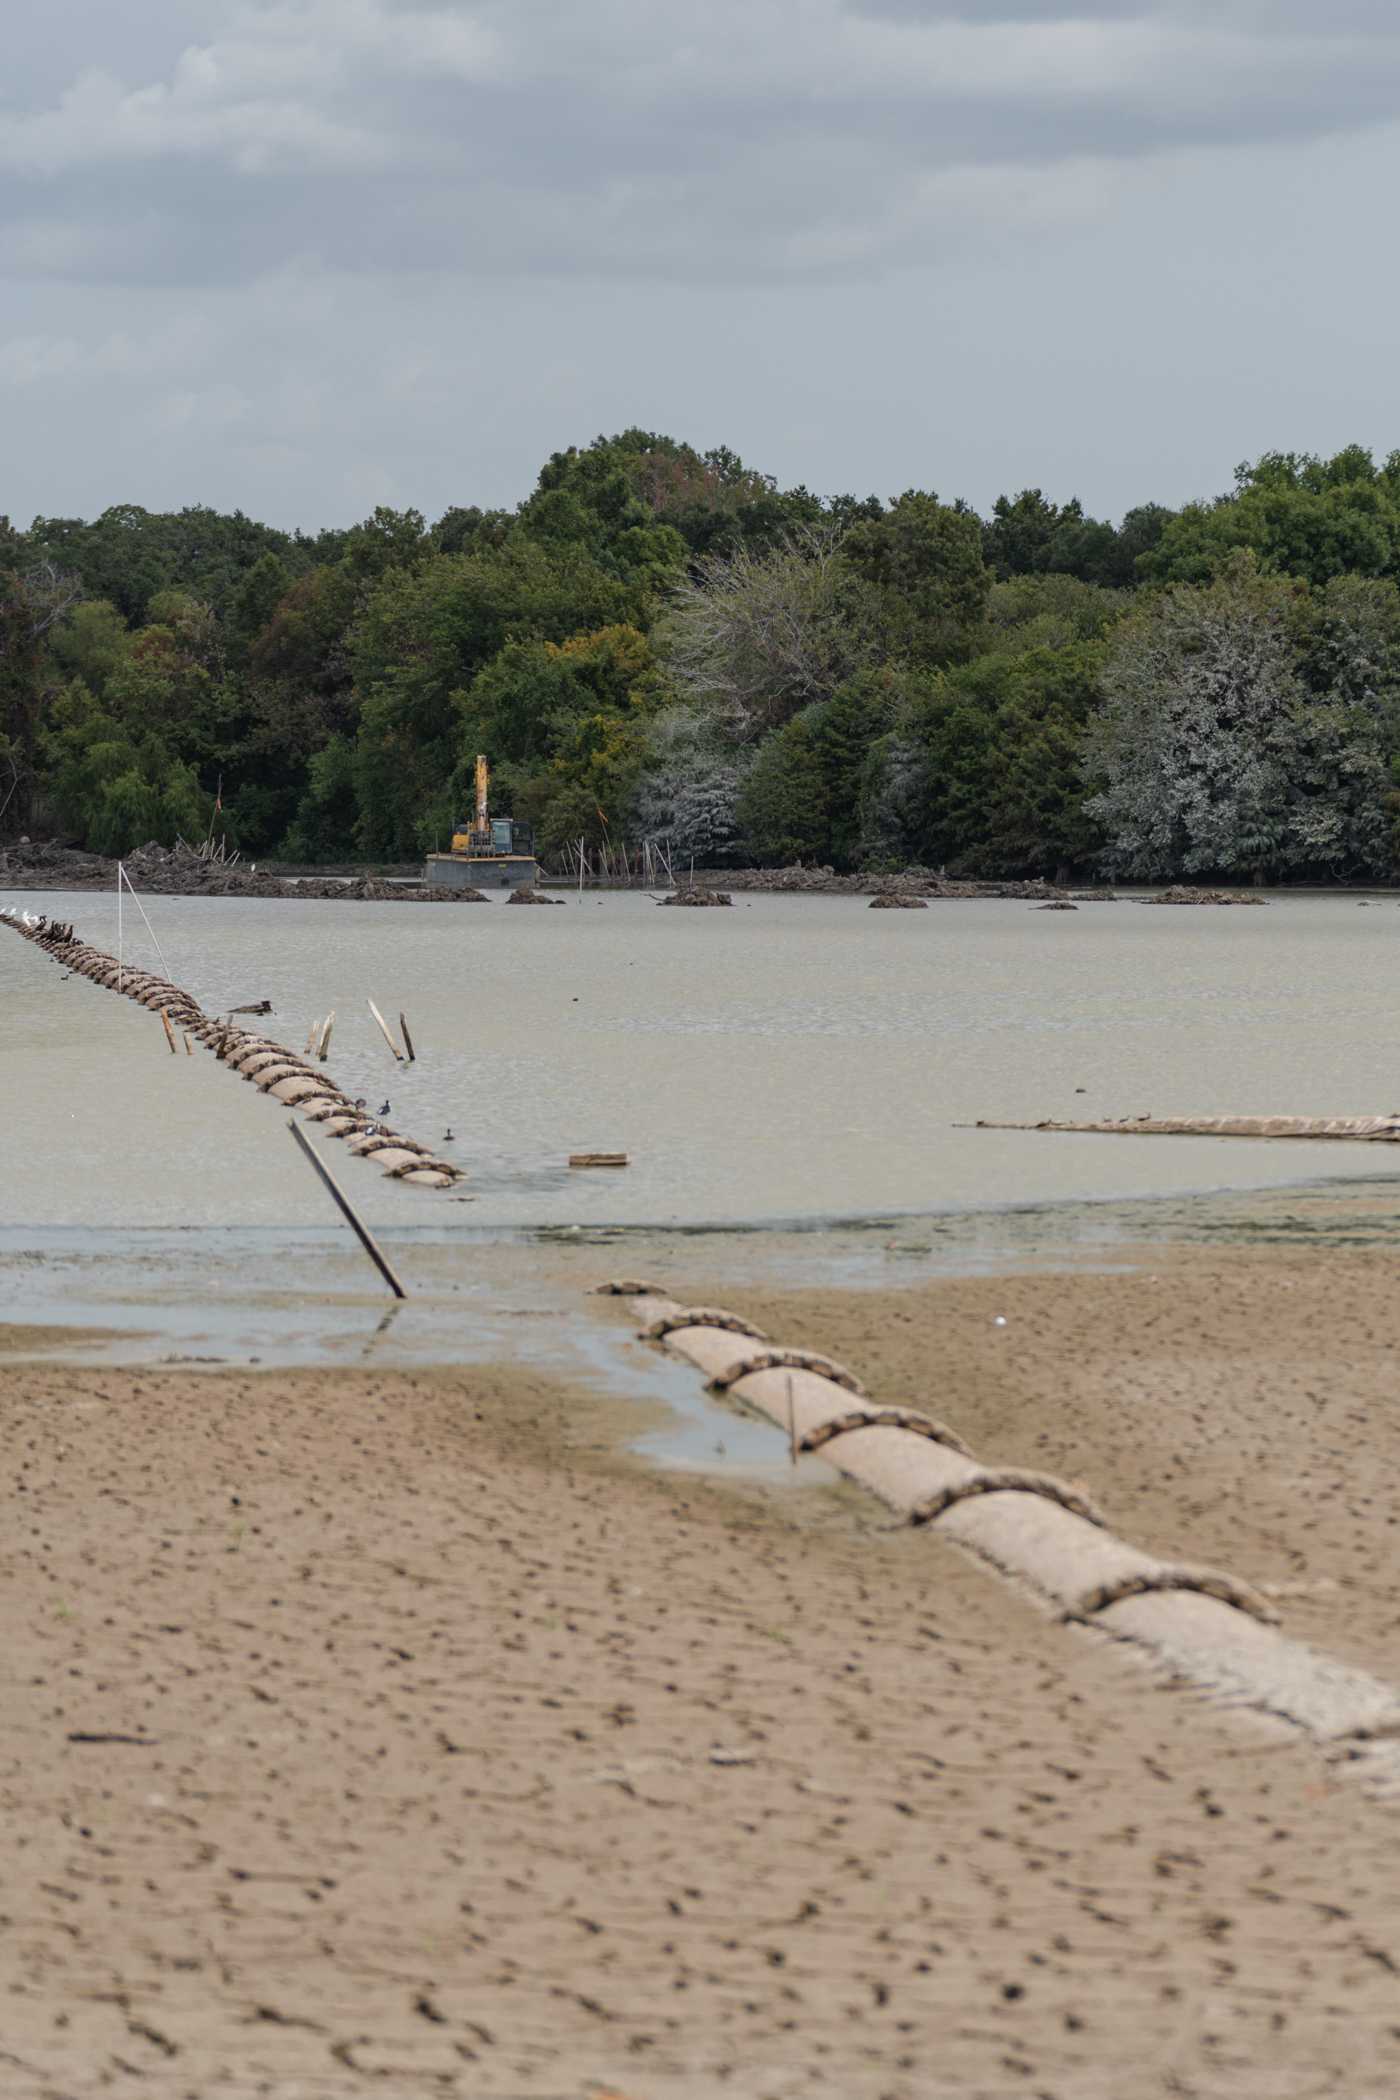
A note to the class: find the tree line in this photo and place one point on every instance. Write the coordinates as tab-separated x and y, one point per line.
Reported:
662	643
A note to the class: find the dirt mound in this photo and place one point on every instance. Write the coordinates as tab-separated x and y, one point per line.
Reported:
891	900
531	896
908	882
1181	893
697	897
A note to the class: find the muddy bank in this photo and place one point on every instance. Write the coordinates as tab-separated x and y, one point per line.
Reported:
392	1727
177	872
159	871
909	882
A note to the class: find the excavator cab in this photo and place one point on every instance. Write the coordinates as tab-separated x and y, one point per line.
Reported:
507	836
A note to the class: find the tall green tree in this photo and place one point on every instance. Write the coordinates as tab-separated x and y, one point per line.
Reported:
923	560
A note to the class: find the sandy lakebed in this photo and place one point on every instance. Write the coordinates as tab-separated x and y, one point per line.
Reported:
402	1731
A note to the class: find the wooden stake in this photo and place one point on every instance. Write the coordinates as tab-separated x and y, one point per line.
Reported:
362	1232
792	1421
169	1033
407	1040
312	1033
188	1051
323	1048
384	1030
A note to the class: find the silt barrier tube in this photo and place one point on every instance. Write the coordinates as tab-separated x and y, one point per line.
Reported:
268	1065
1199	1626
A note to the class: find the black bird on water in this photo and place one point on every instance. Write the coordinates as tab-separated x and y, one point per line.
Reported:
383	1109
449	1136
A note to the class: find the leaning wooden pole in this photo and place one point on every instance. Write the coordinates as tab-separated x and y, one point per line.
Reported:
358	1227
394	1049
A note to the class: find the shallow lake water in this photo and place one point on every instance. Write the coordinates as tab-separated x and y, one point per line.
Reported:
790	1080
794	1058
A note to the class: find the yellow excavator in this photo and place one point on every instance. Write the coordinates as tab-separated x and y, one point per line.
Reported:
493	853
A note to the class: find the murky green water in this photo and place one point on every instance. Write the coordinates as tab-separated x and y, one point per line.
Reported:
794	1058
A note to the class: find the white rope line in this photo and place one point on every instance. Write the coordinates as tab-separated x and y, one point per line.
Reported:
122	876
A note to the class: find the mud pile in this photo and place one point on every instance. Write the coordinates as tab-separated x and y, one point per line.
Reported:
1182	893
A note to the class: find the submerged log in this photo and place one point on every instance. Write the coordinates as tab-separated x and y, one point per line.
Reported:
1383	1130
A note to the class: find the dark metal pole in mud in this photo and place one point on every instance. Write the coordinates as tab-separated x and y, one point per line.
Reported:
363	1233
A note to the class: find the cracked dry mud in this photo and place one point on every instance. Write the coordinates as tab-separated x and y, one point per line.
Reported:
428	1746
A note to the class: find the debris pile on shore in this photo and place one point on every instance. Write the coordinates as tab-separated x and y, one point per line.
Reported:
178	871
697	896
1182	893
908	882
528	896
892	900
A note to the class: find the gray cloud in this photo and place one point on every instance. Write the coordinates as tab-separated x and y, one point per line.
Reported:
310	250
749	137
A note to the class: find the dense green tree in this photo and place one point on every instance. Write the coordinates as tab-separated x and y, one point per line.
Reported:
1300	515
1048	612
843	731
34	599
255	602
923	560
661	641
90	642
423	637
128	555
116	779
465	531
783	808
985	772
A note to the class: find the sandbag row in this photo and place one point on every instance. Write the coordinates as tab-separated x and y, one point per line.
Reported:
1197	1625
266	1064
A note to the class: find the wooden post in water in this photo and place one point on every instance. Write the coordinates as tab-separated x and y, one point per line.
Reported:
384	1031
407	1040
169	1033
362	1232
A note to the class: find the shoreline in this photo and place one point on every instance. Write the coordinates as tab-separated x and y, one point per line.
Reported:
467	1749
135	1294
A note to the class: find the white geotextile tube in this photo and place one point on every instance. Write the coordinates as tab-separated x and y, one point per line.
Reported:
1071	1561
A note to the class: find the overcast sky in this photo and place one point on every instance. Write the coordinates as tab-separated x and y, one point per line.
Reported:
306	256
